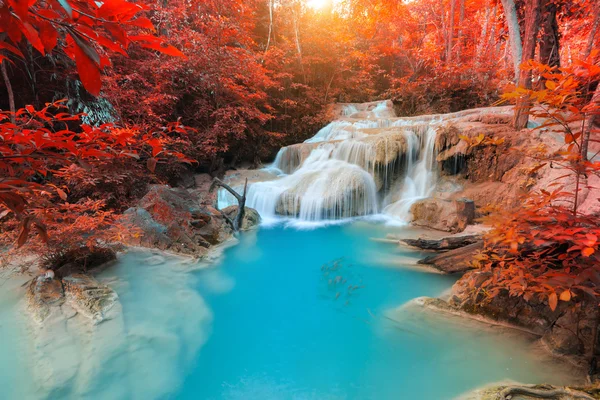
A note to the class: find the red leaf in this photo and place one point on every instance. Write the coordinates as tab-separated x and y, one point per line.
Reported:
565	296
11	48
168	49
109	44
89	72
142	22
48	35
118	33
24	234
62	194
553	301
32	35
588	251
151	164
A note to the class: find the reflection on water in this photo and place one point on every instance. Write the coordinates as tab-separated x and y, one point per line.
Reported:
287	314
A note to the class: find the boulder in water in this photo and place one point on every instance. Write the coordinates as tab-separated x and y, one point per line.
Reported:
568	330
43	294
443	215
174	220
89	297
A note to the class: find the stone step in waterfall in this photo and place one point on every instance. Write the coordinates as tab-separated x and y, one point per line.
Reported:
367	161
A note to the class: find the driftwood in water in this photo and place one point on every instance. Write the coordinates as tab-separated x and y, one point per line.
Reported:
454	261
444	244
236	223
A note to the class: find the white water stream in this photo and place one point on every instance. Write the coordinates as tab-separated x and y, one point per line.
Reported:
366	162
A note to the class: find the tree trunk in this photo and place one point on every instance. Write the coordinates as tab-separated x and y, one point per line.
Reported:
270	29
550	39
532	20
11	96
461	21
514	34
593	32
594	110
483	42
450	37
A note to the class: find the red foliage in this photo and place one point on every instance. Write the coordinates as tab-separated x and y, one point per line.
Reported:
84	30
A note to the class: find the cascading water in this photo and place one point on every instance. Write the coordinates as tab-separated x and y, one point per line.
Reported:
349	168
419	182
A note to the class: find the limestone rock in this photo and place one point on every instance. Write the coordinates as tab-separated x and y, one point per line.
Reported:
89	297
567	330
43	294
444	215
251	217
173	219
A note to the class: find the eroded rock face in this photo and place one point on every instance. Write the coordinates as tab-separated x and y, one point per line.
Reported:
173	219
568	330
444	215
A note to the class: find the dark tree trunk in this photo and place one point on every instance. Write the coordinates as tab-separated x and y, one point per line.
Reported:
532	21
550	38
11	96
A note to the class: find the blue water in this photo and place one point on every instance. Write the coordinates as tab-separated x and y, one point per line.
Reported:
285	314
287	330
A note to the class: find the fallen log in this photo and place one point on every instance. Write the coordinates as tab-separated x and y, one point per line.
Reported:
454	261
443	244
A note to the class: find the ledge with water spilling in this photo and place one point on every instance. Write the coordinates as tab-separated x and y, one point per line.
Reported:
365	162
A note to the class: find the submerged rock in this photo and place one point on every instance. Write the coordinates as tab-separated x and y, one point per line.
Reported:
43	294
444	215
89	297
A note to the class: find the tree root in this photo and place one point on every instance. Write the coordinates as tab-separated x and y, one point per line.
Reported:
539	393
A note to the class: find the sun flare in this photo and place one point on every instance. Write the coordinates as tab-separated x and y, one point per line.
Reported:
317	4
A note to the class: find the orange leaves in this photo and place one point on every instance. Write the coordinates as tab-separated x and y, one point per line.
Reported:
553	301
481	139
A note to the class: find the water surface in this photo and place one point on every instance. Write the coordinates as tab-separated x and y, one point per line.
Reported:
286	314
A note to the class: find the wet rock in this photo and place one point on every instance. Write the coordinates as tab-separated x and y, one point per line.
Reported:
78	260
443	244
516	391
444	215
568	330
251	216
455	261
89	297
173	219
42	295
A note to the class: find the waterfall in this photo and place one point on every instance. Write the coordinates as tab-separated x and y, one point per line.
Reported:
365	161
420	179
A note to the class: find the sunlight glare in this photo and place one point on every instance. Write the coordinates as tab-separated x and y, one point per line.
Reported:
316	4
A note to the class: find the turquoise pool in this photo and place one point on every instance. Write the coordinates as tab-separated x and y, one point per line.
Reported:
285	314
